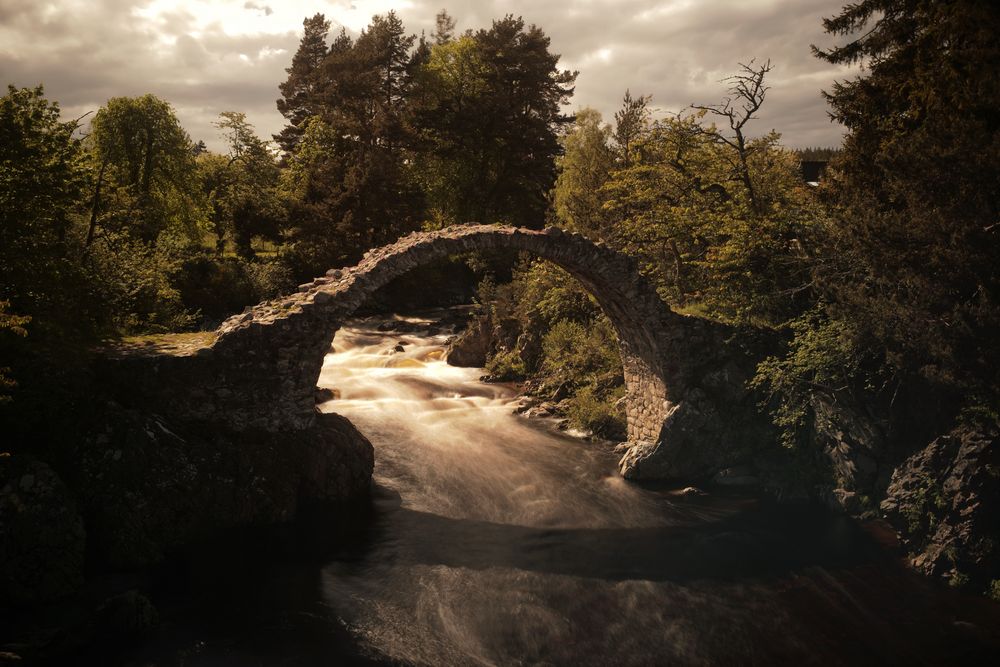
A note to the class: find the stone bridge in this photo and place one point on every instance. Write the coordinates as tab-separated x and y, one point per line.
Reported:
686	401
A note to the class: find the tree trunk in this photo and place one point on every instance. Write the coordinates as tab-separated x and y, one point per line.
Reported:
95	205
679	280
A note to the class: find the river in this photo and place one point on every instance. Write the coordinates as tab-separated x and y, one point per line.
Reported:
494	539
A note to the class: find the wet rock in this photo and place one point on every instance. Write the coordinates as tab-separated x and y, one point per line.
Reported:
471	347
42	537
738	476
945	503
544	409
852	440
401	326
324	394
524	404
636	455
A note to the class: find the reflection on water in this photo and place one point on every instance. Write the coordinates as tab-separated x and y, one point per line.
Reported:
502	541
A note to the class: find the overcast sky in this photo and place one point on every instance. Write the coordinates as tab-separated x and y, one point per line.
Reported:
209	56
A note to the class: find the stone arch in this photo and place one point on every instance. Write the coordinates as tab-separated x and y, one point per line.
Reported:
277	348
688	406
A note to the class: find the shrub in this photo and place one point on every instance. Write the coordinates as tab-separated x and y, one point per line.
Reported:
598	414
506	366
824	356
582	355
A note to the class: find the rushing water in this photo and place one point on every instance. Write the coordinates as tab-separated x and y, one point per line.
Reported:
495	539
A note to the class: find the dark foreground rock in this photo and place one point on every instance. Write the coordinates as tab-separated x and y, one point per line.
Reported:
147	485
140	490
945	503
41	535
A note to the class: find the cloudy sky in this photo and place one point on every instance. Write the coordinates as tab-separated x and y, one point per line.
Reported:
209	56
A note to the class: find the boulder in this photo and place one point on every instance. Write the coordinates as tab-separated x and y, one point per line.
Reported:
945	503
472	346
853	441
42	538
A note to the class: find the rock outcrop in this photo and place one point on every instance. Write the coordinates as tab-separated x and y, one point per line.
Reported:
147	484
945	503
471	347
42	537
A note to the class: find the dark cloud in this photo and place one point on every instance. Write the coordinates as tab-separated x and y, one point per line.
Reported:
208	57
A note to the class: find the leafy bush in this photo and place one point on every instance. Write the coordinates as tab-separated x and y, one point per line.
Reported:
824	356
270	279
601	415
506	366
132	279
993	591
584	356
15	325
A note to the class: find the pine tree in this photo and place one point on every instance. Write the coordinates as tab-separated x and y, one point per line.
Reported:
298	91
914	257
444	28
490	111
630	122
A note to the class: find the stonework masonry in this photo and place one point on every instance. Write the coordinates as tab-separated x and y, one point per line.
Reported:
687	402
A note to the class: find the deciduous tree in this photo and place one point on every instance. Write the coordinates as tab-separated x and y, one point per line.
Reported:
146	181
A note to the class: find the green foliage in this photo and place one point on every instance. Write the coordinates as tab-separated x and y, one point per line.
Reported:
298	102
714	221
581	355
958	579
133	282
584	168
586	359
350	178
816	153
242	188
147	170
506	366
825	356
993	591
600	414
911	255
487	113
43	178
13	324
560	341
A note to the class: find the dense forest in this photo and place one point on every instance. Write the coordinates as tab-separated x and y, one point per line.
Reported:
882	282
